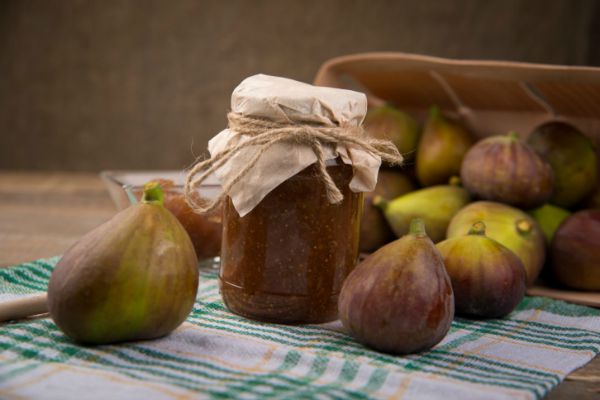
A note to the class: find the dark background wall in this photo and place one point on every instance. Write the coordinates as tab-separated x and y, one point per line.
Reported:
90	85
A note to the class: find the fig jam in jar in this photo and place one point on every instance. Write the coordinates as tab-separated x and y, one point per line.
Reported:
293	163
286	260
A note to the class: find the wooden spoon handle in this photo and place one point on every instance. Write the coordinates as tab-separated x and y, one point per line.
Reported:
24	307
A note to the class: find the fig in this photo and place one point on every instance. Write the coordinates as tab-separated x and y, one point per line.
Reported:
549	218
374	230
572	158
205	230
508	225
436	205
399	300
505	169
488	280
387	122
133	277
441	150
576	250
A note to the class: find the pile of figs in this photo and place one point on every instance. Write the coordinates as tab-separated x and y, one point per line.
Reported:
499	213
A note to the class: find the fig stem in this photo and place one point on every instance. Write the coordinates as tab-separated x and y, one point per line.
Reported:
478	228
417	227
514	135
454	181
380	202
523	226
153	193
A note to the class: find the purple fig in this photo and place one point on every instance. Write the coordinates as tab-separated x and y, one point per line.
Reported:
488	280
576	251
505	169
399	299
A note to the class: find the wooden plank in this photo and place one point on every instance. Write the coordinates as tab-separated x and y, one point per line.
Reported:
591	299
43	214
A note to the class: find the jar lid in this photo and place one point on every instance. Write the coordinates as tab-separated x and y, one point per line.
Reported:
292	107
282	99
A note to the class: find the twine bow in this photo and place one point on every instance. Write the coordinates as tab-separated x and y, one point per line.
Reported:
264	134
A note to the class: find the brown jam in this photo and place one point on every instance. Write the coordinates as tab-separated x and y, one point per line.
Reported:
286	260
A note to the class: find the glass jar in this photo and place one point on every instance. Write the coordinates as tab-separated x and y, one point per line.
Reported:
287	259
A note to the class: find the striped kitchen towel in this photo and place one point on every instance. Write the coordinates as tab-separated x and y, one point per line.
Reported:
216	354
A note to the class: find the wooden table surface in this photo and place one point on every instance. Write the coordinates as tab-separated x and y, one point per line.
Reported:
43	213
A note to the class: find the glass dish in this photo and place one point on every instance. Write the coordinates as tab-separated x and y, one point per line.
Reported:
205	230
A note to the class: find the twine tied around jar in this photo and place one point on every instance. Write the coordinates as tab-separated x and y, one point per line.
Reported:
265	133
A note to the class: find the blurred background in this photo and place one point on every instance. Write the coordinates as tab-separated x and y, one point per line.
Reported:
115	84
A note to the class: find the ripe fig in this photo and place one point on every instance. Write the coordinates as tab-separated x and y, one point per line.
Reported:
549	218
576	251
436	205
374	229
572	158
441	150
399	299
509	226
507	170
205	230
133	277
488	280
387	122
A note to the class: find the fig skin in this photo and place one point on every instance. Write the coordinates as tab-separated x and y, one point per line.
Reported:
572	158
133	277
505	169
205	230
508	225
549	217
441	150
488	280
387	122
374	229
399	300
436	205
575	252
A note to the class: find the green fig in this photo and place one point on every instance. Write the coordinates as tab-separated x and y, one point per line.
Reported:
572	158
441	150
133	277
508	225
387	122
374	229
436	205
505	169
488	280
575	251
399	299
549	218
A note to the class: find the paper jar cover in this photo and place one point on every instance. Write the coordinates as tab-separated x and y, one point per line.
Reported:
281	99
